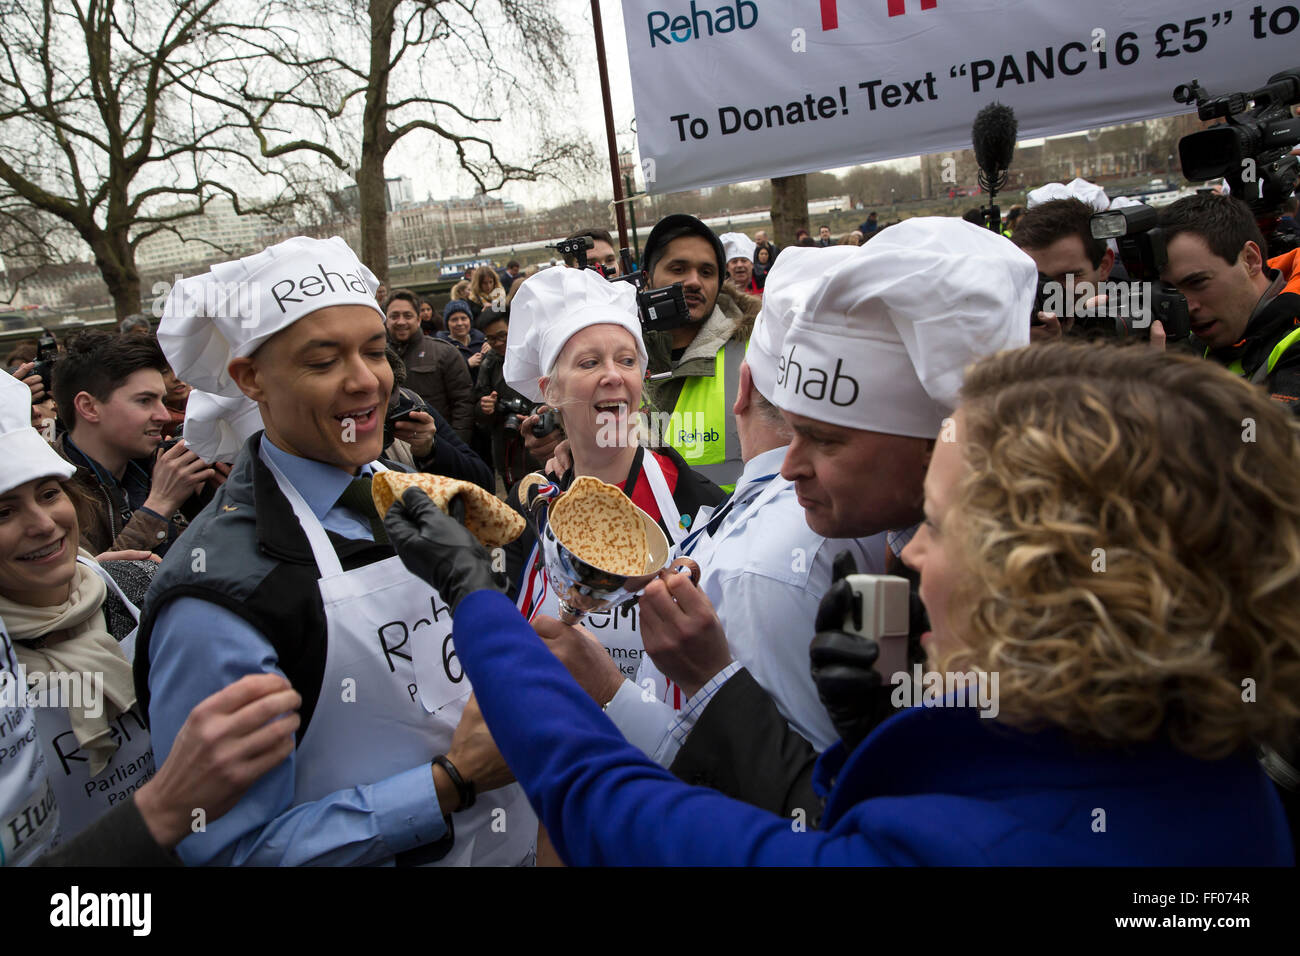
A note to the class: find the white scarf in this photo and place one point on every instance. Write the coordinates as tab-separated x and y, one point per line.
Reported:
88	649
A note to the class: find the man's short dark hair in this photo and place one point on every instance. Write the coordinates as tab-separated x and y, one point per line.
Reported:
99	363
514	263
596	234
1053	221
405	295
1224	223
820	228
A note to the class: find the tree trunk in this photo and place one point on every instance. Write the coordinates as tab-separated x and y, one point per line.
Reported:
115	260
789	208
372	191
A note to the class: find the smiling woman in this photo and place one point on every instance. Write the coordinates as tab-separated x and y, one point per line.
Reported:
72	627
575	342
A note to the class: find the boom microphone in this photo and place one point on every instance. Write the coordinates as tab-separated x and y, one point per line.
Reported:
993	136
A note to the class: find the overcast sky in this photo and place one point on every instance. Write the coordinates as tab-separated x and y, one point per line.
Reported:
406	159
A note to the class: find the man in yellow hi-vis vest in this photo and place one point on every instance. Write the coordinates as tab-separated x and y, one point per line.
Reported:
1244	308
694	369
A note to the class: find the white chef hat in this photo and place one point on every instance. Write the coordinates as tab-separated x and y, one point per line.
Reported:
26	455
884	342
216	427
552	307
790	285
230	311
1080	189
737	245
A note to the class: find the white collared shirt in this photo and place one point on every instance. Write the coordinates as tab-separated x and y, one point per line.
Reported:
765	571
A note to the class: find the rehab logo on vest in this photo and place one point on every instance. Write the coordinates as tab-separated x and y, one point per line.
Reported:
666	28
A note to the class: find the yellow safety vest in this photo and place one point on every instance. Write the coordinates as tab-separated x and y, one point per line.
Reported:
697	427
1273	358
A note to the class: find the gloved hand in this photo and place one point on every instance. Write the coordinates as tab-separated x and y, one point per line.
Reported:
437	548
852	691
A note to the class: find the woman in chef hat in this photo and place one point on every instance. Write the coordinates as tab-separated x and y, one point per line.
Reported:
72	624
575	344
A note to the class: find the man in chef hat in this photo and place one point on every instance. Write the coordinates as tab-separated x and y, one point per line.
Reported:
866	367
738	249
285	572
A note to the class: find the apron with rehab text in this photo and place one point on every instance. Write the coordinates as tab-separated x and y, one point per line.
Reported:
29	812
392	695
617	629
83	799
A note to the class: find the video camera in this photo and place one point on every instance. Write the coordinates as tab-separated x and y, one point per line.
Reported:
47	350
1142	250
1251	149
661	309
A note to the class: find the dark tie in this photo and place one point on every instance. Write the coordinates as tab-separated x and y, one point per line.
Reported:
357	497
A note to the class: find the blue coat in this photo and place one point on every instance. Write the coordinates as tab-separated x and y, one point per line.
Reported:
929	786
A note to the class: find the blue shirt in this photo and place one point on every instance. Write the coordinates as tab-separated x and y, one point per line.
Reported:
364	825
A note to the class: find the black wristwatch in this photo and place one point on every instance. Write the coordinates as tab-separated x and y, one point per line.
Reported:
464	788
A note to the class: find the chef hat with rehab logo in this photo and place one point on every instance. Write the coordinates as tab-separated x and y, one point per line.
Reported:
790	285
885	339
552	307
737	245
26	455
230	311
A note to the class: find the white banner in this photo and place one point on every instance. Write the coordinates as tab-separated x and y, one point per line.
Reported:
734	90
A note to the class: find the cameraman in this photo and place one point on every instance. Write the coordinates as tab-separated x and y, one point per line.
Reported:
602	253
109	390
1244	308
1057	235
499	408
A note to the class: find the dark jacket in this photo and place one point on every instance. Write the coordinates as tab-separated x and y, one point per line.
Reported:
1272	322
436	372
476	340
450	456
112	524
118	838
509	456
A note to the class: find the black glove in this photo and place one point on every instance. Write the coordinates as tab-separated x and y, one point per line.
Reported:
852	691
437	548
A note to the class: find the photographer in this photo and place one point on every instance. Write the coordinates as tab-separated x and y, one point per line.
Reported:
1243	308
694	370
109	390
1057	235
501	409
603	252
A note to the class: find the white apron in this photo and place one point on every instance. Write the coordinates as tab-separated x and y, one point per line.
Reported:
83	799
392	695
29	812
617	629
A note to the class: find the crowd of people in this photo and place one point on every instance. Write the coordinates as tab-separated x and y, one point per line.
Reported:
251	665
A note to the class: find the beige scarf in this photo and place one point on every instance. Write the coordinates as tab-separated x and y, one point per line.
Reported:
88	649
